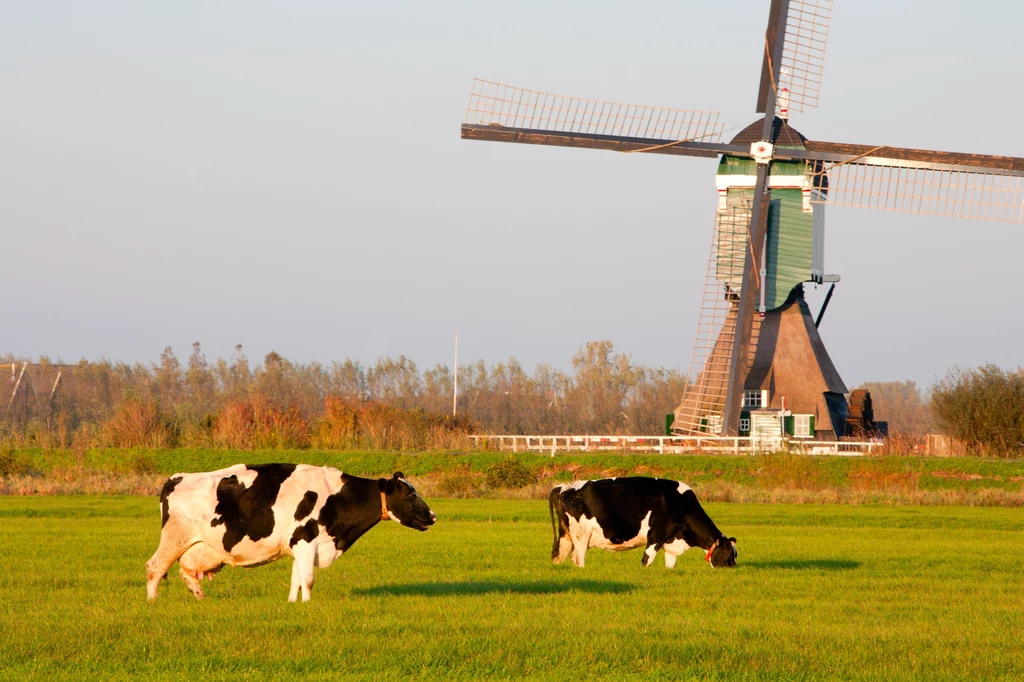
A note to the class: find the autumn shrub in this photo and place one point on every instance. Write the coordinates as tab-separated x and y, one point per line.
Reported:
136	423
348	424
12	463
337	428
283	429
509	473
260	425
449	432
983	408
143	463
390	428
196	433
459	482
234	426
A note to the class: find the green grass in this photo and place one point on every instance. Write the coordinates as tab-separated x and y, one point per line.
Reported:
820	592
919	473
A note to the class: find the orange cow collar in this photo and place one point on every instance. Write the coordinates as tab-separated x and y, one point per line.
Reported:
707	557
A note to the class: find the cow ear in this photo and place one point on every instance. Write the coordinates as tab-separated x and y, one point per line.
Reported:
397	475
733	541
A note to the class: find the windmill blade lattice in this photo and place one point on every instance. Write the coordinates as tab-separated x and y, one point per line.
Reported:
953	193
716	326
506	106
803	54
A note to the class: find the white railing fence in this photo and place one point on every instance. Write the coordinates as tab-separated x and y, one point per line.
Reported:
670	445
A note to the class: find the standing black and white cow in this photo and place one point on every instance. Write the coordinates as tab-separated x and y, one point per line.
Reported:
625	513
252	515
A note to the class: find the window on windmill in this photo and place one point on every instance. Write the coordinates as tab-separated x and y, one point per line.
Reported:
745	424
802	426
751	398
715	424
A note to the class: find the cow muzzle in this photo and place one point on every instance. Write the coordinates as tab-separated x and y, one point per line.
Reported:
428	521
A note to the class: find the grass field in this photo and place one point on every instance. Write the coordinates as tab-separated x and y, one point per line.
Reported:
820	592
967	481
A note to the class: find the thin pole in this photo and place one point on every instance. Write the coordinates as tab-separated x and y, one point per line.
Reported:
455	380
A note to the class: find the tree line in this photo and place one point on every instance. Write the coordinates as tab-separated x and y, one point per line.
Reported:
393	403
193	403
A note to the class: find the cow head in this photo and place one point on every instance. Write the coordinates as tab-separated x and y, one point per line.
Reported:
404	504
723	553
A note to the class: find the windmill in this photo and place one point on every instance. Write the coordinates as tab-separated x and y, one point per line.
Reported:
758	361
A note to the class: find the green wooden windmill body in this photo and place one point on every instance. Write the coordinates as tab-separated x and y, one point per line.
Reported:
790	372
795	236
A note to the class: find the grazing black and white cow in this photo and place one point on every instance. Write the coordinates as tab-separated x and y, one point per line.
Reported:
252	515
625	513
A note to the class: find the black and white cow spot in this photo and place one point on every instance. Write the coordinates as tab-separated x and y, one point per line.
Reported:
307	531
248	511
165	492
306	505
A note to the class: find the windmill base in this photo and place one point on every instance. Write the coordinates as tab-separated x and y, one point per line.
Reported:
791	376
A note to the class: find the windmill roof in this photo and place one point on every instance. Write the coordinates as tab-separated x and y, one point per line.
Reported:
782	133
791	361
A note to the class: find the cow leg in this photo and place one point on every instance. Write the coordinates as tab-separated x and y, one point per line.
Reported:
650	552
156	568
196	562
302	570
563	544
560	551
174	541
293	591
563	537
670	559
307	572
580	544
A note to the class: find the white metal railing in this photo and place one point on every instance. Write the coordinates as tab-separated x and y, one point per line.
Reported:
668	444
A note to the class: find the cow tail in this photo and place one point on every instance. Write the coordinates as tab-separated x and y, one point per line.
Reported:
555	522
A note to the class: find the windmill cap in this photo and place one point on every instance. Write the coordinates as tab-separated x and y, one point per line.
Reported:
782	133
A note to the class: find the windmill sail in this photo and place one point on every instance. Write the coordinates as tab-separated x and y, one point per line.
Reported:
949	184
700	411
504	113
802	61
803	56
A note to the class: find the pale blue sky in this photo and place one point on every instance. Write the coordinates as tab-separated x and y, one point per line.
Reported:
289	176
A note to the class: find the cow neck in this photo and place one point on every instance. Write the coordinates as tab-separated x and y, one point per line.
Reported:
704	529
385	515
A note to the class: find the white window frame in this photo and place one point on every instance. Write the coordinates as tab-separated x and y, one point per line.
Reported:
715	424
752	399
802	426
745	424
